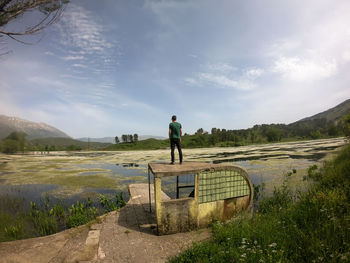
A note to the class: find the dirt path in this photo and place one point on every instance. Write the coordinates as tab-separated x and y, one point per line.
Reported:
125	236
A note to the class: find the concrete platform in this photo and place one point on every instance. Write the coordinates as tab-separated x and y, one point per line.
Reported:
167	169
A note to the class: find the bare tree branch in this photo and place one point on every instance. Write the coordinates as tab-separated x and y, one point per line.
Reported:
11	9
4	3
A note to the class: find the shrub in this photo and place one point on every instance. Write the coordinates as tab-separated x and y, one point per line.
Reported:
15	231
302	227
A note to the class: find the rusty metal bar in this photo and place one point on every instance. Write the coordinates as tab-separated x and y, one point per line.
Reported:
149	190
177	188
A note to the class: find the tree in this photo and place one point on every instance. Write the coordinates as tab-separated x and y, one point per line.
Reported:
14	142
116	139
10	146
130	138
125	138
346	125
136	137
11	10
199	131
332	130
273	134
315	134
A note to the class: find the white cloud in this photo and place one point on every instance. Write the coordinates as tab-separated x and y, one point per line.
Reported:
223	81
220	80
297	69
68	58
222	67
346	55
79	65
226	76
79	29
254	73
191	81
83	37
49	53
48	82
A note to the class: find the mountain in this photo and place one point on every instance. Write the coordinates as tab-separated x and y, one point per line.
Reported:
32	129
332	114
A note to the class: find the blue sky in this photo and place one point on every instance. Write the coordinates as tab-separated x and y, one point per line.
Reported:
113	67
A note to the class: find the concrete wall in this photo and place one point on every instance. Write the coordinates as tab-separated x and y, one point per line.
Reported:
181	215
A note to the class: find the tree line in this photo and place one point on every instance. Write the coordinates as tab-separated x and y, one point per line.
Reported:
265	133
127	138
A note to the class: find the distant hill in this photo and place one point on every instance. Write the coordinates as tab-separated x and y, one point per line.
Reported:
101	140
32	129
146	137
65	142
332	114
112	140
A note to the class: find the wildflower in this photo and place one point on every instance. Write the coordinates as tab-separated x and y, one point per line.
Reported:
243	255
255	242
244	240
273	245
261	260
274	251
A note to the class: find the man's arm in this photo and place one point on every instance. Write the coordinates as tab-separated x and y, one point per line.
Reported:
169	133
180	134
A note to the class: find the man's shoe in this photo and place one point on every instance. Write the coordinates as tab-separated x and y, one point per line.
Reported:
172	163
180	162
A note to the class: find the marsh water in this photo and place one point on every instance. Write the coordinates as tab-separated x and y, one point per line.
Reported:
72	176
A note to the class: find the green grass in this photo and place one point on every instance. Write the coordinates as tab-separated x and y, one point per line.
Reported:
149	144
313	226
46	218
63	144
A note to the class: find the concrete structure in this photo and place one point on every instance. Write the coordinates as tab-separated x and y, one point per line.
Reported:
220	192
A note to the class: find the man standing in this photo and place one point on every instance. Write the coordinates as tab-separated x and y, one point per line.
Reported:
175	133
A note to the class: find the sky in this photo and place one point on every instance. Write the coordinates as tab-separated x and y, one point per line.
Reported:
114	67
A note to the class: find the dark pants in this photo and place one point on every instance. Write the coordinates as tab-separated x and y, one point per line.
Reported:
176	142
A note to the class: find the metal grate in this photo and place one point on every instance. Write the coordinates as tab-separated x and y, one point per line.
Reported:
220	185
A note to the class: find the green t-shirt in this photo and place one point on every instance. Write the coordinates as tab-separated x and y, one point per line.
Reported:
175	128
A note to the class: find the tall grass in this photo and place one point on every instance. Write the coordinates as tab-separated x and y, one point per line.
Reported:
312	226
46	219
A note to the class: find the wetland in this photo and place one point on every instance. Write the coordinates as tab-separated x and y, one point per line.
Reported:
68	177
